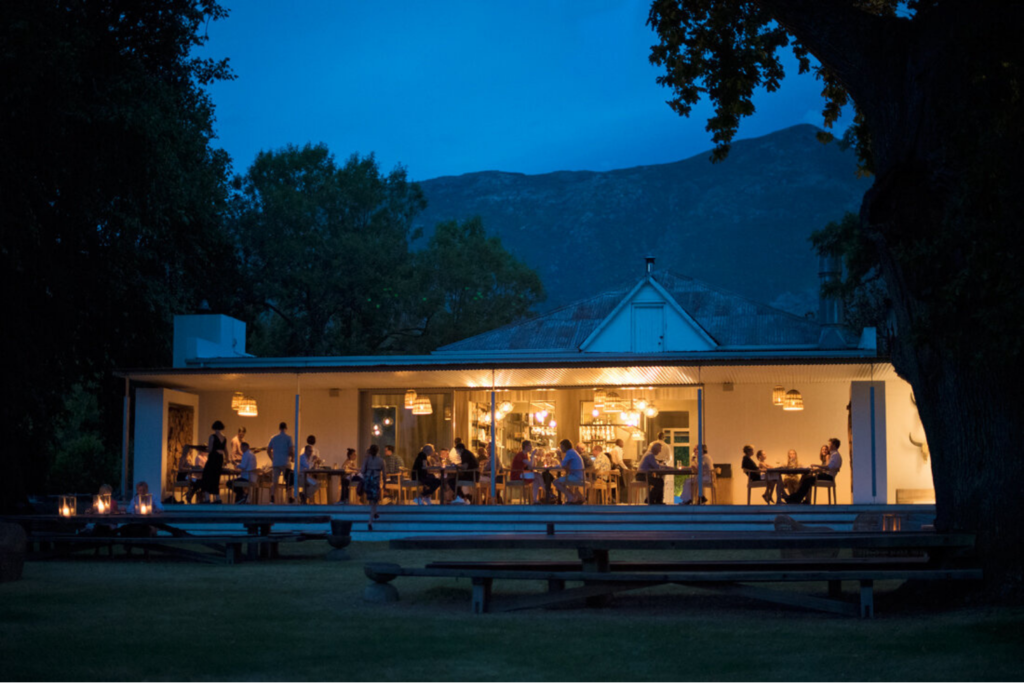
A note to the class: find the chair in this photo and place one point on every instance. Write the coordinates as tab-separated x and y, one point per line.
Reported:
712	482
247	488
408	488
754	484
830	490
518	489
599	490
179	489
638	492
469	479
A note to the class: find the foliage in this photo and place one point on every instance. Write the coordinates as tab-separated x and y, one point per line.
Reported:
470	284
112	194
328	261
81	460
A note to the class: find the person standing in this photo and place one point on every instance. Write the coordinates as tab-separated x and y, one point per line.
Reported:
216	452
236	451
572	465
707	469
281	450
373	474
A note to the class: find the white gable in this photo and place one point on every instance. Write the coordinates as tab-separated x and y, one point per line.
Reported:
648	320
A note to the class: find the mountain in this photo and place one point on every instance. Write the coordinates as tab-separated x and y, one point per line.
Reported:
742	224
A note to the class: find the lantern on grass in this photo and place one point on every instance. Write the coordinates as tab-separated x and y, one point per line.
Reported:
778	396
101	503
68	506
145	504
793	401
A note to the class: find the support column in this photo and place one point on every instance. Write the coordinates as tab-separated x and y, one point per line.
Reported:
298	451
494	445
867	452
700	447
124	437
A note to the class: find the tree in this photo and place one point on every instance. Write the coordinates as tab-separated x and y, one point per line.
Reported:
470	284
936	87
112	196
325	250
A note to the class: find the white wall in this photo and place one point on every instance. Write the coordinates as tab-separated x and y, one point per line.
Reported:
334	420
617	336
746	415
150	455
908	468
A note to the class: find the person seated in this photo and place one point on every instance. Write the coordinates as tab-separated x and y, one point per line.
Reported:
752	469
601	463
465	479
570	484
392	463
351	473
141	489
195	476
647	471
248	472
542	484
485	471
773	481
427	481
791	482
309	482
138	530
826	472
707	467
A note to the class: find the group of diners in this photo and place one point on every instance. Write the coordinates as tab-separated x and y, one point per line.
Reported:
203	465
788	486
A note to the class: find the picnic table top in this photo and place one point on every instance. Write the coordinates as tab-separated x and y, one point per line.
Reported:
245	518
693	540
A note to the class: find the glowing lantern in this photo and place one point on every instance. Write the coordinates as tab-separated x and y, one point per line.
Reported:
642	404
422	406
247	408
410	399
507	407
778	396
145	503
101	503
236	401
68	506
794	401
652	411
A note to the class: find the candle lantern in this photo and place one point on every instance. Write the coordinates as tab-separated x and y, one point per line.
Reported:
145	503
68	506
101	503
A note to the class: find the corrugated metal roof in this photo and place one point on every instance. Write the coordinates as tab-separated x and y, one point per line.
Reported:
730	319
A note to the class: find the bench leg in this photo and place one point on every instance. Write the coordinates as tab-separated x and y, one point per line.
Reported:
835	589
556	585
481	595
595	561
867	599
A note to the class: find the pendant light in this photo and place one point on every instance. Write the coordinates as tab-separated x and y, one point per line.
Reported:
422	406
247	408
778	396
793	401
236	401
410	399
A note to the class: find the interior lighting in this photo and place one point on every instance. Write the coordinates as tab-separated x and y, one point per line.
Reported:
552	424
410	399
595	413
778	396
507	407
422	406
794	401
248	408
652	411
236	400
541	415
641	404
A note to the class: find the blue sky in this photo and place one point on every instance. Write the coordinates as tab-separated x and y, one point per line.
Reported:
456	86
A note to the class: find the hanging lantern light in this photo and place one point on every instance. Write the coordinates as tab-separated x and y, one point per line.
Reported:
641	404
599	398
552	424
652	410
388	421
595	413
376	430
236	400
410	399
422	406
794	401
247	408
507	407
485	418
778	396
541	415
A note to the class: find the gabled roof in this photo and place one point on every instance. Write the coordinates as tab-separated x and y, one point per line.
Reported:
729	319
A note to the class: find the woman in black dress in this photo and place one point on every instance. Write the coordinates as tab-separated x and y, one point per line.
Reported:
217	449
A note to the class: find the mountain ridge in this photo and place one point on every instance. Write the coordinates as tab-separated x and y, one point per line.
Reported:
742	224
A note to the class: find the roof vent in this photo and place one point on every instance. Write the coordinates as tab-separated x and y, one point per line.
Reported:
649	260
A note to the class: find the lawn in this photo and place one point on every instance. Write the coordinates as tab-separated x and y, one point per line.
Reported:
302	617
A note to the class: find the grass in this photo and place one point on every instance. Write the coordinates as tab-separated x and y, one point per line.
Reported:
302	617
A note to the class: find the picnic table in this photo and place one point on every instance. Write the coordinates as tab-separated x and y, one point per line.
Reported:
602	578
62	534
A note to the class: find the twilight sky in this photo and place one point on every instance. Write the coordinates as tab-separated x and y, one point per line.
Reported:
455	86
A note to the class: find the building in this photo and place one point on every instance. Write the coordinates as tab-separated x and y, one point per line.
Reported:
668	354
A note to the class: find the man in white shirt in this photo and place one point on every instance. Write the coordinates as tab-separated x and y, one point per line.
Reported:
247	465
826	472
281	450
707	466
235	449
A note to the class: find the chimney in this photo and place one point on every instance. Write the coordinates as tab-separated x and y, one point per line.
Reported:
649	261
830	308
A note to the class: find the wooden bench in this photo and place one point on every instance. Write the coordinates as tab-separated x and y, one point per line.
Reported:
226	548
602	578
